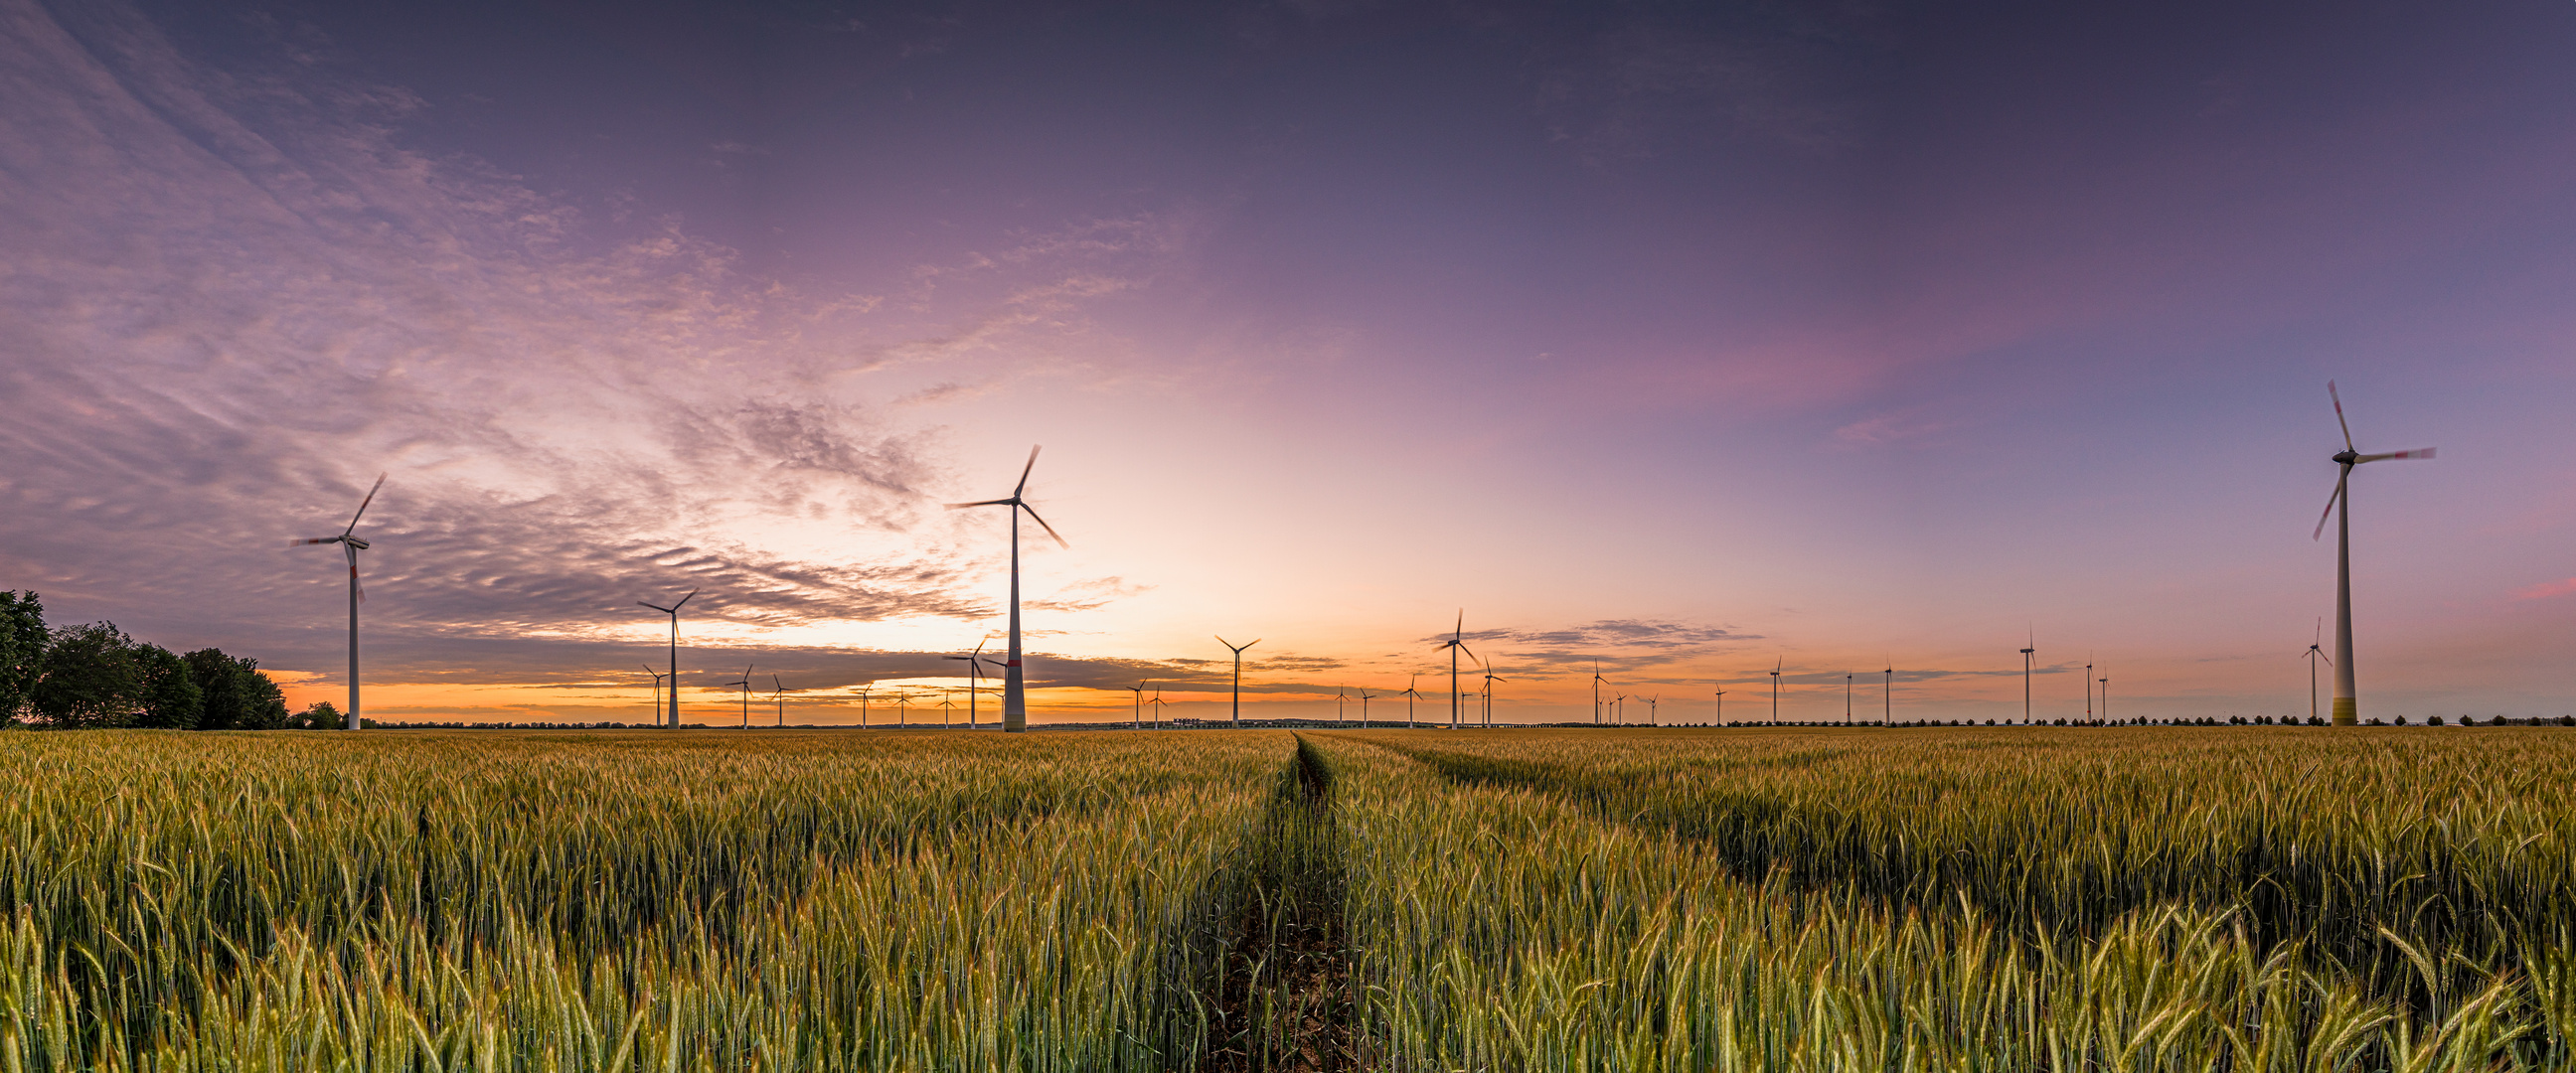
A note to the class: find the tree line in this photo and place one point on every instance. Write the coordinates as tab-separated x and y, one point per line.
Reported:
93	676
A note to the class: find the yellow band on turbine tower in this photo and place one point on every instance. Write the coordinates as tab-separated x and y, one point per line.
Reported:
2347	712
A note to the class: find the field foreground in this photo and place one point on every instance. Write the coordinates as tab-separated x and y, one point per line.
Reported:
1965	899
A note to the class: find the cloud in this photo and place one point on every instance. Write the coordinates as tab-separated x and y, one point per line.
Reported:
2547	590
235	298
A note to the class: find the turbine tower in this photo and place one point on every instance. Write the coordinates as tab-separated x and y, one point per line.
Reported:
778	692
349	542
674	611
2025	677
1456	643
1490	679
1238	676
1721	707
1775	691
1597	682
2088	687
1015	707
2347	700
2315	652
1409	697
1365	697
1887	695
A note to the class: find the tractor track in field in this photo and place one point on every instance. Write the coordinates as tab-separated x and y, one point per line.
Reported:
1283	999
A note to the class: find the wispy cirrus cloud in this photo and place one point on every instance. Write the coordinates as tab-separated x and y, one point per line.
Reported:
236	299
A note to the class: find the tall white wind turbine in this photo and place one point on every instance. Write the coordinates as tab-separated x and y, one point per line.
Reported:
2315	652
349	542
1238	675
1456	643
672	718
2347	700
1015	704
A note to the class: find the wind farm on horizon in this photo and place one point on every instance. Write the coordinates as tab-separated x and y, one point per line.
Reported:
1466	708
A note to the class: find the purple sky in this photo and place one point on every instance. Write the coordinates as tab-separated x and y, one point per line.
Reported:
1686	337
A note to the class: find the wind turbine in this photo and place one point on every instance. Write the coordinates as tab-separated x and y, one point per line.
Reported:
2106	699
1651	702
1136	711
1365	697
1490	679
863	704
1456	643
674	612
1775	691
903	710
2347	702
1721	707
1238	675
349	542
1847	697
974	676
2025	677
657	690
1341	697
778	692
2315	652
1597	683
1409	697
1619	710
1887	697
1015	708
2088	687
947	707
1158	703
746	695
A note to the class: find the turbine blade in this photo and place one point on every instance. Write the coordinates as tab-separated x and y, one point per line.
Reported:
656	607
312	540
1471	653
2339	421
1024	473
685	599
1050	530
979	503
2329	514
2418	453
362	506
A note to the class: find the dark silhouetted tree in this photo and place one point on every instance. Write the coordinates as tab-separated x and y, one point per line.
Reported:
170	697
321	716
22	651
237	695
92	679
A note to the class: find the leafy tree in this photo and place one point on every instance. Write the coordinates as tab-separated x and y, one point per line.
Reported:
237	695
22	650
321	716
92	678
169	694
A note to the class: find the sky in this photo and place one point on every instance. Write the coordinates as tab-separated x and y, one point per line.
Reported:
1698	340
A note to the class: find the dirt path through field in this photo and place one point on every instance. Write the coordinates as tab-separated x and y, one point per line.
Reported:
1284	1002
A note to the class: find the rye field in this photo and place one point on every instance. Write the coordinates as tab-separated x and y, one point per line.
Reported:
2241	898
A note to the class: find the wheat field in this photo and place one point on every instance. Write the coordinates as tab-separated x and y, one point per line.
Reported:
1929	899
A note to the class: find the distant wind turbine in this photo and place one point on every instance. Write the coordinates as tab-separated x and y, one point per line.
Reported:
2025	676
2088	687
1619	710
1847	698
1456	643
1490	679
2347	700
1887	698
1158	703
1651	702
1776	664
1136	710
1341	697
2106	699
1238	675
778	693
1015	708
349	543
1365	697
863	704
1597	683
2315	652
903	710
1721	707
674	612
746	695
1409	697
657	691
975	662
947	707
